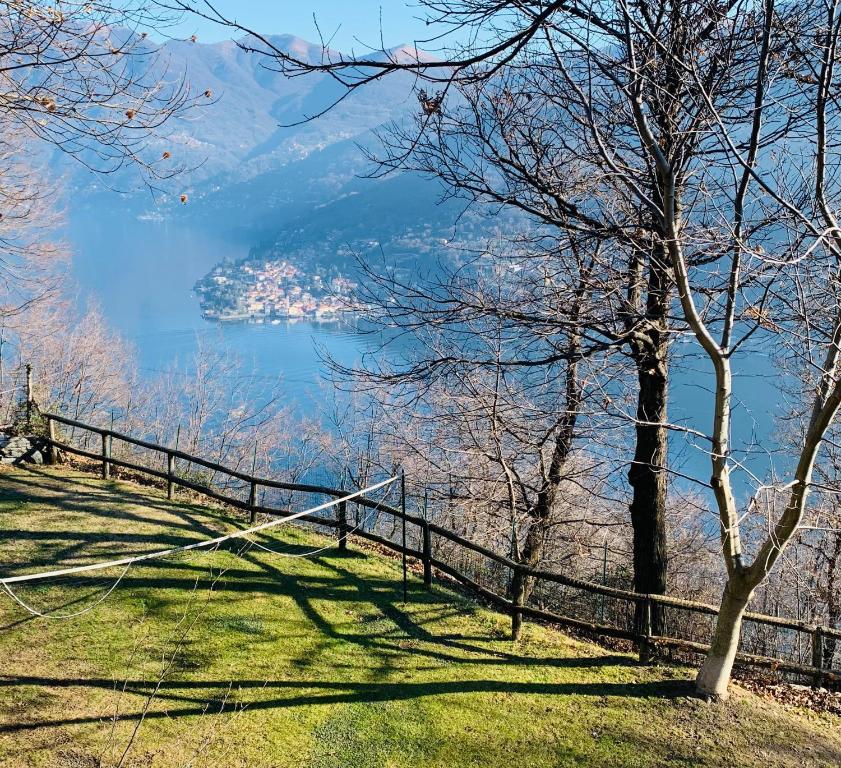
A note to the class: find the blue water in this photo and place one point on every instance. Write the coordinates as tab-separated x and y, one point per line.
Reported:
758	408
141	274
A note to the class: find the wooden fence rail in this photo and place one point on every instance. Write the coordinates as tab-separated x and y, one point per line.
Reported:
642	636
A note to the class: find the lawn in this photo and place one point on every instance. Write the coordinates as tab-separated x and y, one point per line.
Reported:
249	659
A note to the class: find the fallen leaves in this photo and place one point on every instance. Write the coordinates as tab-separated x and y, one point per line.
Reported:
789	694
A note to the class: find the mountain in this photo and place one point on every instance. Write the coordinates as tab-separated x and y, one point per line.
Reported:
400	220
286	184
254	124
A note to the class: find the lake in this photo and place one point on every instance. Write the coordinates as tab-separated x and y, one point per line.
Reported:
141	273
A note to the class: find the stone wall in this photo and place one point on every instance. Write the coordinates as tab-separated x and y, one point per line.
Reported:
19	449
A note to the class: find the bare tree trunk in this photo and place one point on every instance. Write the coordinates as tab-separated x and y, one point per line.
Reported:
518	598
833	603
647	475
714	675
530	556
532	551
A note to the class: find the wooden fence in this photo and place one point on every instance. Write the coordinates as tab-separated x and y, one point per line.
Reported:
642	636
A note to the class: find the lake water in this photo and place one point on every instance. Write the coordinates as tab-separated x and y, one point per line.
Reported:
141	274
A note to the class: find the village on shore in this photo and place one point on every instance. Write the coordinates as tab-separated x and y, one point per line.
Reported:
273	290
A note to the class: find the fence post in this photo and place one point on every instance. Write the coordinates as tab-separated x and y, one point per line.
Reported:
52	451
604	583
403	518
645	645
170	473
817	656
518	599
29	398
29	382
342	516
106	454
427	554
252	502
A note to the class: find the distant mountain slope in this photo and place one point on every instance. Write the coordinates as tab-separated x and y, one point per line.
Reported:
249	130
292	190
400	220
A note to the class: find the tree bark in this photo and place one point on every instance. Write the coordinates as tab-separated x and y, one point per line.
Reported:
714	675
833	602
647	476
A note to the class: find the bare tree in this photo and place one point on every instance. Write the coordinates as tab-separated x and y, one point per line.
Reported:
505	387
81	366
32	262
744	227
85	78
497	142
823	540
714	122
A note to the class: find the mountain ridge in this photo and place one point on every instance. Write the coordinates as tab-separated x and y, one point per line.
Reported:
282	182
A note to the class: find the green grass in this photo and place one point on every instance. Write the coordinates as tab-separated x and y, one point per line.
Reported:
316	662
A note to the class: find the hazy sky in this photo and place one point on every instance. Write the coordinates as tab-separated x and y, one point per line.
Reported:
352	21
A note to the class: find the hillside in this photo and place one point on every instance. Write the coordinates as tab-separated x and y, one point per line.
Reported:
254	171
253	125
316	662
252	121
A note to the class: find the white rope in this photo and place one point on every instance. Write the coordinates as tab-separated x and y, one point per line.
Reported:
82	612
127	561
289	554
320	549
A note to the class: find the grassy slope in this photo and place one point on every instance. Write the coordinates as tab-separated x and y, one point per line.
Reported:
316	662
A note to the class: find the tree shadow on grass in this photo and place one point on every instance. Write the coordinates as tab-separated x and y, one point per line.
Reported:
109	500
390	643
387	633
194	696
341	584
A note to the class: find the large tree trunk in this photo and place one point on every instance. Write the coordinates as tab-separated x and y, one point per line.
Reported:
833	601
714	674
530	556
648	476
648	480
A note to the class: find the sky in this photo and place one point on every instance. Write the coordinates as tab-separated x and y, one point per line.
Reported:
351	23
